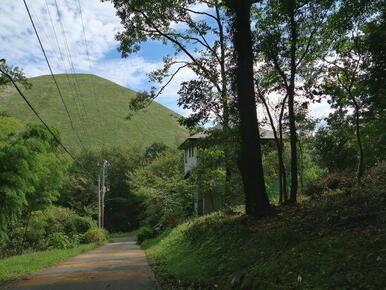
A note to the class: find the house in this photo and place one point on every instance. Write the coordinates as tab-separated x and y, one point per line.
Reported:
204	204
191	151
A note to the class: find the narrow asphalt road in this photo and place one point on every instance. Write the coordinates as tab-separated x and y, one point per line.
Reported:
118	265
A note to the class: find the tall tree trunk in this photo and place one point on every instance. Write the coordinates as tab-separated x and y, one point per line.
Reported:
361	165
281	153
278	142
301	165
251	166
227	155
291	111
224	101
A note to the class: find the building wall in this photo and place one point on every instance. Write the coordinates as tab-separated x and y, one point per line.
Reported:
190	159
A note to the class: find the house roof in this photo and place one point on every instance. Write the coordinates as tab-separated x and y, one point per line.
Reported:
193	138
264	135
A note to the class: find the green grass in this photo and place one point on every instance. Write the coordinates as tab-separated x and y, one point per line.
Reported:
100	119
333	242
19	266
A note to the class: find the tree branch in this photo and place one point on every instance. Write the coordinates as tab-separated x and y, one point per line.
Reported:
308	46
182	47
200	13
169	81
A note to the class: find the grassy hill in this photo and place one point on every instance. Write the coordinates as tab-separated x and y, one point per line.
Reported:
98	108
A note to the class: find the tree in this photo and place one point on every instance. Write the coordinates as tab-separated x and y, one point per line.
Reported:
80	189
265	86
16	73
166	195
154	150
199	33
374	118
251	167
344	83
31	170
151	19
291	39
332	145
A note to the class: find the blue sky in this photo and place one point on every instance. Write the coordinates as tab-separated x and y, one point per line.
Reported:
20	47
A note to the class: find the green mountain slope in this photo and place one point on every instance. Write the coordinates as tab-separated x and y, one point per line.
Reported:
98	108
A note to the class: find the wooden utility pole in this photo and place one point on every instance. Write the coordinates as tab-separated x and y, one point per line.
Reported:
99	202
102	193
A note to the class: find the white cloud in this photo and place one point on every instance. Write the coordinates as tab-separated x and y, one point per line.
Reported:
21	45
320	110
129	72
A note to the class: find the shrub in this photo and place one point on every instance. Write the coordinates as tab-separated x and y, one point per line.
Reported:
56	218
341	181
60	241
145	233
15	243
95	235
43	224
78	225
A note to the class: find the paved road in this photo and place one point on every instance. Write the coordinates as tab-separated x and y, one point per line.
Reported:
119	265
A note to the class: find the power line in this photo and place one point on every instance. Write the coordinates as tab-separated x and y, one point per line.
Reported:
77	88
61	56
37	114
88	54
52	74
72	67
45	124
48	63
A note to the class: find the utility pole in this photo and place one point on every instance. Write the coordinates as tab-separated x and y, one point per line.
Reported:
99	202
102	192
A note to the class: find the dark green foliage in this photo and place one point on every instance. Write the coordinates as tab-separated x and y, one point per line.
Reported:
333	145
16	74
81	186
78	225
61	241
375	43
56	220
145	233
154	150
343	182
208	178
167	197
31	171
95	235
51	227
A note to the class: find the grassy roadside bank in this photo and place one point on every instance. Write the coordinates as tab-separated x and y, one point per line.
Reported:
18	266
335	241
